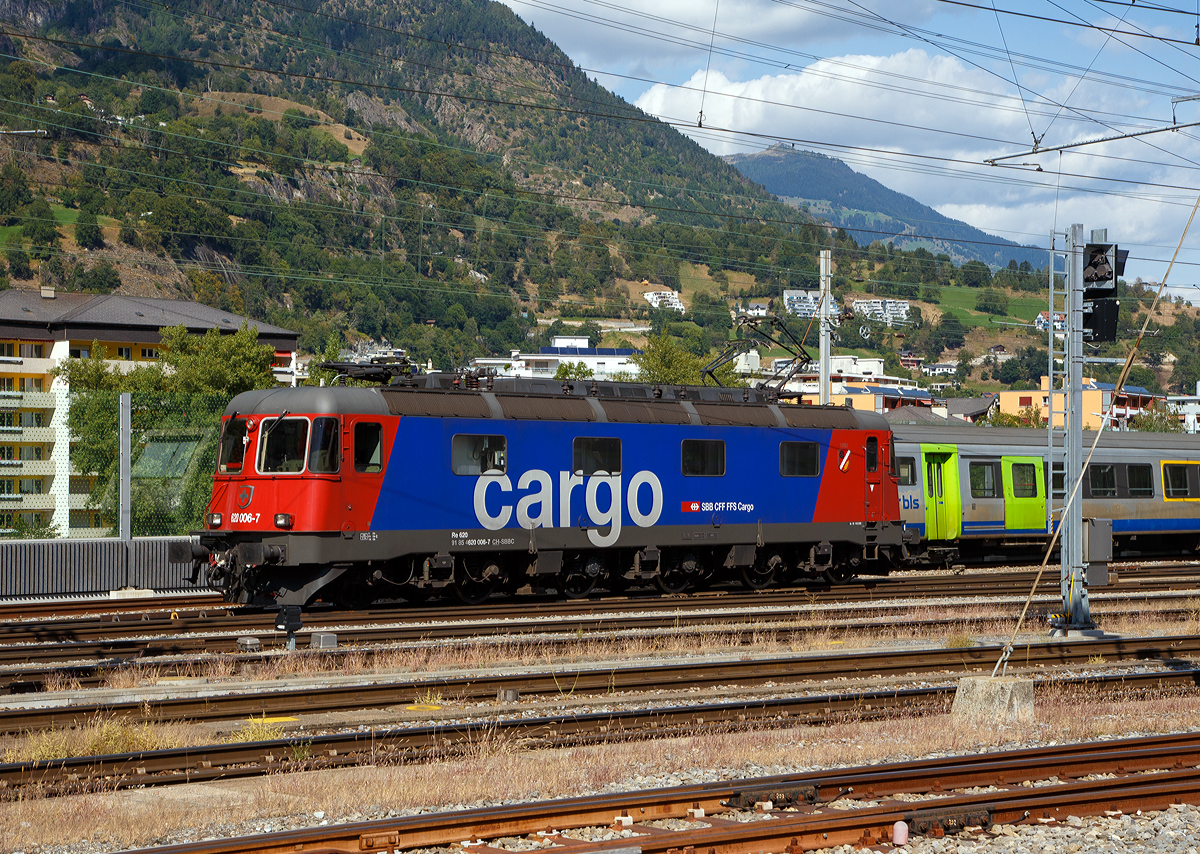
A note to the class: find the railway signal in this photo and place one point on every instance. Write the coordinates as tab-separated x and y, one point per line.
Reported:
1103	264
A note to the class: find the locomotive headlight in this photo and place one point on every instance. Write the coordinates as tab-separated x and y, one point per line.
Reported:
214	520
283	520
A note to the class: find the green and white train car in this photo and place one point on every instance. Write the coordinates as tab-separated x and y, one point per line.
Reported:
977	491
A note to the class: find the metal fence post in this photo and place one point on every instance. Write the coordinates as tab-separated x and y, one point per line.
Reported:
125	429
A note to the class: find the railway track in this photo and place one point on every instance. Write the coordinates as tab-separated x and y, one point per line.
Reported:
795	805
516	617
215	702
30	668
20	626
307	753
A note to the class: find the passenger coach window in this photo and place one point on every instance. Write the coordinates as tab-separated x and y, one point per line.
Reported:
1102	480
479	454
368	447
1141	481
907	470
1024	480
701	458
282	451
983	480
599	455
233	446
325	451
798	459
1175	481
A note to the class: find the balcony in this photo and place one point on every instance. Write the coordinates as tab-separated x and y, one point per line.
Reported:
10	503
44	435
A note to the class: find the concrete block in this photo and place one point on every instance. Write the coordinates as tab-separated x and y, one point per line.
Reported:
1000	698
322	640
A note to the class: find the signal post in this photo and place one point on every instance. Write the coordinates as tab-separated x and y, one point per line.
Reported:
1092	270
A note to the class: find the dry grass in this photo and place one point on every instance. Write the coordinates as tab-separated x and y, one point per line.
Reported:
256	729
820	631
101	735
496	769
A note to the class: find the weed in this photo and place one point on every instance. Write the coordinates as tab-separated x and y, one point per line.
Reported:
256	729
959	641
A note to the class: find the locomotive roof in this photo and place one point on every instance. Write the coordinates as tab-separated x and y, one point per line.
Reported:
576	400
1036	437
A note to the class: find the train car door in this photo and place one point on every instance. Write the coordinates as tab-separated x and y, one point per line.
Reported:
873	470
942	508
1024	507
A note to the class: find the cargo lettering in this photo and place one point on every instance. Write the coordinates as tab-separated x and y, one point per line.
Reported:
606	502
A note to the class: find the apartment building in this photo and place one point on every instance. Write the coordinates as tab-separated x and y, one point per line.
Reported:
39	329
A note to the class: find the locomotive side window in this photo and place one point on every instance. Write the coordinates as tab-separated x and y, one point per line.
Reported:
983	480
368	447
599	455
872	453
233	446
1102	480
907	470
798	459
282	451
1141	481
1175	481
478	454
324	452
1024	477
703	458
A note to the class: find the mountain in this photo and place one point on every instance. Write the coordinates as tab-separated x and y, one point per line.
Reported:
869	211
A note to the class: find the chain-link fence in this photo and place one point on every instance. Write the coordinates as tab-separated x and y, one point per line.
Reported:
173	445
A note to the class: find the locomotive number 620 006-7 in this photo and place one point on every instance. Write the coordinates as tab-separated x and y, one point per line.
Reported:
248	518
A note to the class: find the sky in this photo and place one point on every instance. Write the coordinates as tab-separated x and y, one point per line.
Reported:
919	95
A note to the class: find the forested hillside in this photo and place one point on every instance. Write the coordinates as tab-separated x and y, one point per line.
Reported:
436	174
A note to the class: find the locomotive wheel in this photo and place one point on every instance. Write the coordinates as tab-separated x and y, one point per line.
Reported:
839	574
475	579
671	580
579	578
761	573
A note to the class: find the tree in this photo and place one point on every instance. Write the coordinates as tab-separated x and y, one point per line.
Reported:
992	302
573	371
14	191
1161	417
40	227
87	231
663	362
18	259
975	274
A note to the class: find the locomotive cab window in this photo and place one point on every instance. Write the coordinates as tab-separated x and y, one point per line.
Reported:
233	446
1141	481
703	458
591	456
872	453
325	450
368	447
983	480
799	459
479	454
282	443
1102	480
907	470
1175	481
1024	476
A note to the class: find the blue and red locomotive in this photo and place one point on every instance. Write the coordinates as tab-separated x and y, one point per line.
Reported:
350	494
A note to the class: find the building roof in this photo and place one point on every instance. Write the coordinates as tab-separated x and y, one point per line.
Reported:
1127	389
913	415
889	391
586	351
969	406
25	313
